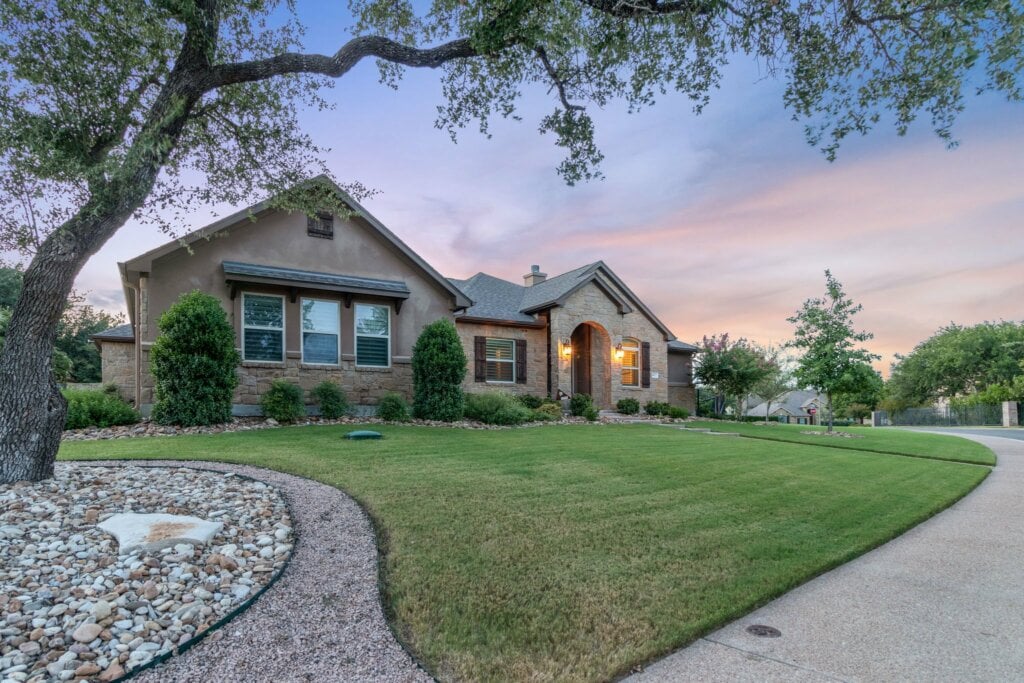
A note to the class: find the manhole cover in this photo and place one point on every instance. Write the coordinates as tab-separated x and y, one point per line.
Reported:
763	631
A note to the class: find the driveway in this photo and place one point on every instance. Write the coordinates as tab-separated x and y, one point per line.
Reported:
1002	432
942	602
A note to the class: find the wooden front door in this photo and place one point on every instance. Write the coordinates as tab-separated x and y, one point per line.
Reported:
581	340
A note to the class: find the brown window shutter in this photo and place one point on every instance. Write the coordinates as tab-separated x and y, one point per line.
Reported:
645	364
520	361
479	359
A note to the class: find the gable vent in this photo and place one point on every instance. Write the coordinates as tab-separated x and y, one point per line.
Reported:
320	225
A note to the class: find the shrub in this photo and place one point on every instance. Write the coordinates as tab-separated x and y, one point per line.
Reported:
331	400
628	406
283	401
193	362
677	413
553	411
96	408
438	368
393	408
496	408
579	403
530	401
656	408
591	413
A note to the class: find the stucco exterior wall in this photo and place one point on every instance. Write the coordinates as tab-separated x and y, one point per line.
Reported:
590	304
536	354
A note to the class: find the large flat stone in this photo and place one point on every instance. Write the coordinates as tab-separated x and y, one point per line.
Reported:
155	531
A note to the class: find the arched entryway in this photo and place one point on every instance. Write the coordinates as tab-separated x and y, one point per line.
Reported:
591	362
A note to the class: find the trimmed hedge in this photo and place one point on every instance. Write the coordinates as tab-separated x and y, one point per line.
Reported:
438	368
579	403
331	399
283	401
628	406
656	408
393	408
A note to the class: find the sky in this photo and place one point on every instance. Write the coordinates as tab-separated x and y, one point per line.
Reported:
723	222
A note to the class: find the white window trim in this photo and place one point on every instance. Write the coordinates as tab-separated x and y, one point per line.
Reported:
302	331
356	335
639	362
284	326
511	361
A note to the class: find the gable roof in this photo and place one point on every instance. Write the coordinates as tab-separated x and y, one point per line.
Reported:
794	402
143	262
501	300
682	347
118	333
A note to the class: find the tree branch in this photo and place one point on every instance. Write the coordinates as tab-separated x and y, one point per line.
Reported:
630	9
350	54
556	81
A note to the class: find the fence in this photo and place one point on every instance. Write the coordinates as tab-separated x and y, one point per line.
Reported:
949	416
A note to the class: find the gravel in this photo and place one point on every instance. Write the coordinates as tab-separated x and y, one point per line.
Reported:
322	620
71	606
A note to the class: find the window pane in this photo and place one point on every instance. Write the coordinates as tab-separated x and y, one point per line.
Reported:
372	320
498	371
629	377
319	348
629	358
372	351
263	345
263	311
500	349
320	316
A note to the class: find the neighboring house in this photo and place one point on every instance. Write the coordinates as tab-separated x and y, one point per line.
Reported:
795	407
343	299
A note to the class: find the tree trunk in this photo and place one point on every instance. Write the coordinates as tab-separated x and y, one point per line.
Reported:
767	411
829	396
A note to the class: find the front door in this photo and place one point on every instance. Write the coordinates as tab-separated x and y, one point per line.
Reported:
581	339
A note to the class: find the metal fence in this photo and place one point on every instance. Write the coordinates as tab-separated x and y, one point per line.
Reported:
949	416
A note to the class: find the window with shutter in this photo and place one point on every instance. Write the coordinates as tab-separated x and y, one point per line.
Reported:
630	362
501	360
645	364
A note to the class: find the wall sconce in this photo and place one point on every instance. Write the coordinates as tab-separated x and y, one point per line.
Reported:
619	353
567	348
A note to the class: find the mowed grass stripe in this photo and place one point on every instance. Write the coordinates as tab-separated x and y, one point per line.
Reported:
576	552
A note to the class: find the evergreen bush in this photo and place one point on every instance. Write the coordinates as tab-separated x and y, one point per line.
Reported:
331	399
628	406
283	401
579	403
656	408
193	362
530	401
552	410
677	413
393	408
496	408
96	408
438	368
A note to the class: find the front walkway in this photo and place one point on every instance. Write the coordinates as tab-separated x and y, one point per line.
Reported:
943	602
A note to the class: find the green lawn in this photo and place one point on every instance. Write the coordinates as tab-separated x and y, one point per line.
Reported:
877	440
577	552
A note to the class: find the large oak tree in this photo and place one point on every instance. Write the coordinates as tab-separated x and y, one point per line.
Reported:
117	109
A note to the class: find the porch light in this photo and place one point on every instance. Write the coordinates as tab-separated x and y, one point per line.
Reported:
567	348
619	353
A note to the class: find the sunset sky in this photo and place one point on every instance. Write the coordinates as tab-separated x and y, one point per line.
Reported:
722	222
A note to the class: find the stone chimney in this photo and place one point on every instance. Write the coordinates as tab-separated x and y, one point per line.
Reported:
534	277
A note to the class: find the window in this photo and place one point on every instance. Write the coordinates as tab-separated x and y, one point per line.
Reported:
320	331
320	225
263	327
630	363
373	336
501	360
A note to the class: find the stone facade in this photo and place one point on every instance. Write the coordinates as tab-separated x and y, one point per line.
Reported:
590	305
683	396
681	391
118	367
362	386
536	352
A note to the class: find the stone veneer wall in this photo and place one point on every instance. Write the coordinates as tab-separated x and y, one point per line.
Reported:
684	396
590	304
362	386
118	367
536	353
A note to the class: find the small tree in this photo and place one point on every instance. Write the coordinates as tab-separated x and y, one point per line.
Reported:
438	368
825	333
193	362
776	384
731	368
859	392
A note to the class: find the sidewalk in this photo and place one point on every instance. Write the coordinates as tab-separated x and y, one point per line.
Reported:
943	602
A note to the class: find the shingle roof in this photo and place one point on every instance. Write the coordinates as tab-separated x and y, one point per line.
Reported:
315	278
118	333
676	345
493	298
794	402
550	291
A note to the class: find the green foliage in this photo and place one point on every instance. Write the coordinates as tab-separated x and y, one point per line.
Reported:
591	413
825	334
959	362
438	368
732	369
73	338
579	403
553	411
496	408
530	401
678	413
193	362
628	406
393	408
97	408
10	286
859	392
656	408
283	401
331	399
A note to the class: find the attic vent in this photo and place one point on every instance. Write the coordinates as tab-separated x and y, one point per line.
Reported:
320	225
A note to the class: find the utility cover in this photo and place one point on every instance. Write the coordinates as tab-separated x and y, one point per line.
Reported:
363	434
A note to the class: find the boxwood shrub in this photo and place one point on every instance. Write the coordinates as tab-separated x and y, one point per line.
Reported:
331	399
579	403
283	401
393	408
496	408
628	406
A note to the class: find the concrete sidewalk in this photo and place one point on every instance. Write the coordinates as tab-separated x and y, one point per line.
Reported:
943	602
